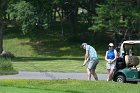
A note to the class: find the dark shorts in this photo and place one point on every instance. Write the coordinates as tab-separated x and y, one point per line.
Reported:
92	63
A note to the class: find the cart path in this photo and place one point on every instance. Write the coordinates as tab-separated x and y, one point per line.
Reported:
50	76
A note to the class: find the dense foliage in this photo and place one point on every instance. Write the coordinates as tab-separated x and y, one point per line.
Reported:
121	17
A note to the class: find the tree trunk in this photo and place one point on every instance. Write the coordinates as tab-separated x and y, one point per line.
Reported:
73	17
1	37
3	6
92	6
138	3
61	21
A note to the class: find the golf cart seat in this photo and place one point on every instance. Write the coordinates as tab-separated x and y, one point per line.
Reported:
131	61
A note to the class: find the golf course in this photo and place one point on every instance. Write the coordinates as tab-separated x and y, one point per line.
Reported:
45	36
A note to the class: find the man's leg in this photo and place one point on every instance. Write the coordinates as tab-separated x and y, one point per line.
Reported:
95	62
89	74
94	74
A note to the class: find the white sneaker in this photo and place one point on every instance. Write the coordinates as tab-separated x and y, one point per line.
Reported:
107	80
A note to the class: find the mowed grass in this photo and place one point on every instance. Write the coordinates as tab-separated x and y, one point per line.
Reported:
66	86
55	65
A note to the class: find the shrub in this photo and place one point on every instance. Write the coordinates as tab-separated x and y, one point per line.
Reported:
6	67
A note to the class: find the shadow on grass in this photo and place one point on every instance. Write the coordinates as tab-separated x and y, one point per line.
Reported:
72	91
25	59
18	59
53	44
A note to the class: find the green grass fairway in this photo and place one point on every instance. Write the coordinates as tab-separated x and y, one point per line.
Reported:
22	90
54	64
66	86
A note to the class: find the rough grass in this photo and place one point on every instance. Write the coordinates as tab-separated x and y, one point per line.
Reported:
19	47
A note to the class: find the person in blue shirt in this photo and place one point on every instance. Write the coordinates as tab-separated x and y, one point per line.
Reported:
110	57
92	59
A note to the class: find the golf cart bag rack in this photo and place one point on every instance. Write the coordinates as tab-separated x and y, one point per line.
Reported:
120	63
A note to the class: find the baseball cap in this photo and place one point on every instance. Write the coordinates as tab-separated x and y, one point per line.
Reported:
110	44
83	45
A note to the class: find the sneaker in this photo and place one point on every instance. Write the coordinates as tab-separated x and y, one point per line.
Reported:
107	80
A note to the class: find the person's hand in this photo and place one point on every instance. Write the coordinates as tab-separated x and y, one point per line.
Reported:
111	61
84	63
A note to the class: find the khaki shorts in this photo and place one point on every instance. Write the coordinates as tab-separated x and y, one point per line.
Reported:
93	63
110	65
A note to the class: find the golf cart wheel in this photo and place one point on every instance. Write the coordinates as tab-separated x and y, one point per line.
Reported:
120	78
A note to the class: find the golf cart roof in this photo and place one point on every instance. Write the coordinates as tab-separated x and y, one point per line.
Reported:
131	42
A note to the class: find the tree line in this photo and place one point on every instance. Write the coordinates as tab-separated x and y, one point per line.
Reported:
121	18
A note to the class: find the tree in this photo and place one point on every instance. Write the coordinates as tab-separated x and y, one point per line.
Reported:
118	16
3	6
24	14
32	15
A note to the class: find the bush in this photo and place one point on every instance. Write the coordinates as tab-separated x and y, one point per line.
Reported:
6	67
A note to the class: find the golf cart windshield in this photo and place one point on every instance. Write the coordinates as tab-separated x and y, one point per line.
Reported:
136	50
130	51
130	48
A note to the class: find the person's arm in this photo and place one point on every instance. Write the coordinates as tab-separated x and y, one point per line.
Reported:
106	56
116	56
86	58
86	55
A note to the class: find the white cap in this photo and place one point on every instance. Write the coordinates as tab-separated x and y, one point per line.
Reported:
83	45
111	44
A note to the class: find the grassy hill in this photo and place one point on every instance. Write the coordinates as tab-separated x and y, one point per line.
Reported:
52	44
